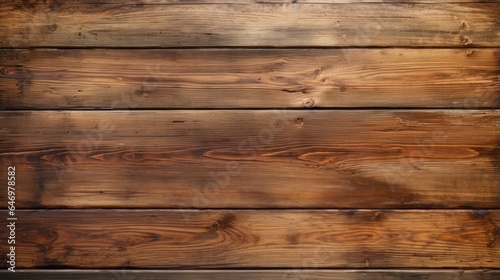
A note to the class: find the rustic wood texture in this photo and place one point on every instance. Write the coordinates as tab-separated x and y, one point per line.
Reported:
254	159
247	2
56	24
266	238
383	162
295	273
260	78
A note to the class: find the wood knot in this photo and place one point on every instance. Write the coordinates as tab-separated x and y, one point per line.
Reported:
464	25
215	226
465	40
225	222
496	232
53	27
496	236
4	71
299	122
308	103
142	92
342	88
295	90
469	52
377	216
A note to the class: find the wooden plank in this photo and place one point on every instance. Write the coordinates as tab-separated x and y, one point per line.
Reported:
358	1
257	159
250	78
247	2
250	238
234	274
55	24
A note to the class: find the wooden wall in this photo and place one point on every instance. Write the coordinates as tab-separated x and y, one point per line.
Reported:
253	139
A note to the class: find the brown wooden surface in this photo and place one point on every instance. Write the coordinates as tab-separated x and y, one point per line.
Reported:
225	78
265	238
247	2
55	24
254	159
295	273
382	163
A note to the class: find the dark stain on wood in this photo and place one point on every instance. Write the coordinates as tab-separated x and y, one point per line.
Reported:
293	238
479	213
349	213
227	221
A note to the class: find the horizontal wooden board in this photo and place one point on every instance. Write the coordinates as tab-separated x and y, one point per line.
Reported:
250	78
344	1
56	24
235	274
247	2
251	238
253	159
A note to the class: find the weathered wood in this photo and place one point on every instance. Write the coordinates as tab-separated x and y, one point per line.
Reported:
234	274
263	187
350	1
249	238
56	24
254	159
249	78
246	2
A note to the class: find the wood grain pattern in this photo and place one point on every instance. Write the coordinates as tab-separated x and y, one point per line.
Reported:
384	162
254	159
266	238
222	78
283	274
54	24
247	2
